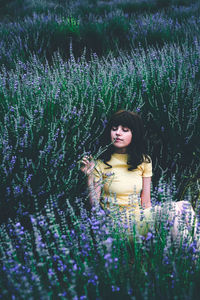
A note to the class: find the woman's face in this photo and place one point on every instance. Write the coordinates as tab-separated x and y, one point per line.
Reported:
121	137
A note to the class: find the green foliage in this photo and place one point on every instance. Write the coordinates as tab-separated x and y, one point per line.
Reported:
117	30
99	28
94	32
163	3
137	7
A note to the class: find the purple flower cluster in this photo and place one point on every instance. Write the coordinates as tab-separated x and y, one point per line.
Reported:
85	255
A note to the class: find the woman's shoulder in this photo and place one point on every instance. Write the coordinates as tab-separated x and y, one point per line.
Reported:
146	166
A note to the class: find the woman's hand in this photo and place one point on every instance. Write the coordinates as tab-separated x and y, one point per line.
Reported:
89	165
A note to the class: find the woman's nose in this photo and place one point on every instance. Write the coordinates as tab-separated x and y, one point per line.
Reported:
118	131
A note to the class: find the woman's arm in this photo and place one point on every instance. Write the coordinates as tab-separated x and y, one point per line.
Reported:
94	190
146	192
94	187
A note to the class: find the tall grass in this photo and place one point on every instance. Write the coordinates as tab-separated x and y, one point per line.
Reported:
53	115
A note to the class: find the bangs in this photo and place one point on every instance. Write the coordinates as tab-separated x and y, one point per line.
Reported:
123	119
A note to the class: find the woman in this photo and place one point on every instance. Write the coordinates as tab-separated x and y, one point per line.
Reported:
121	178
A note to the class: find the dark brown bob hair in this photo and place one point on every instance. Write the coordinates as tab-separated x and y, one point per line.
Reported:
136	149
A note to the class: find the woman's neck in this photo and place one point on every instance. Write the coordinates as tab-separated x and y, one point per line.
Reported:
121	151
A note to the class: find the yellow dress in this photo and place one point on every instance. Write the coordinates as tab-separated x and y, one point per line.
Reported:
121	192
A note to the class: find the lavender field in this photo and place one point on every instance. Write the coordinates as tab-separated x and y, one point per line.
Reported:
65	68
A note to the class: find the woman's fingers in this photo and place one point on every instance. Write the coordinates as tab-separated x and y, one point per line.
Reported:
86	159
85	162
88	164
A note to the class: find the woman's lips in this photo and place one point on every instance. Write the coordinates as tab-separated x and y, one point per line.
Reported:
118	140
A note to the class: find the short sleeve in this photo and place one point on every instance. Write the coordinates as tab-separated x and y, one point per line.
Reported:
147	169
97	172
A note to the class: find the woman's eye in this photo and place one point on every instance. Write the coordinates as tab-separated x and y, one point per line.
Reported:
125	129
114	128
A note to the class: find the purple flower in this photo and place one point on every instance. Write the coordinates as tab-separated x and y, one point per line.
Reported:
193	247
72	166
50	272
8	191
18	190
13	160
33	220
75	268
56	235
109	174
28	178
115	288
107	256
149	236
104	123
64	294
166	260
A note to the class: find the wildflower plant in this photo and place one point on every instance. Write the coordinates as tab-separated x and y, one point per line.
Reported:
63	254
47	126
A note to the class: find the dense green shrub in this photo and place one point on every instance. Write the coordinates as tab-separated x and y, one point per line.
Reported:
45	32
